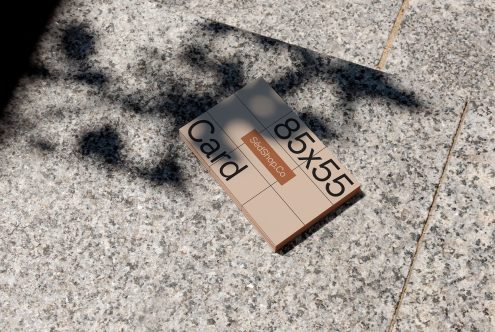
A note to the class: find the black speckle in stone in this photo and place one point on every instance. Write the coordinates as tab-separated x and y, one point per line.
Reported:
103	143
78	42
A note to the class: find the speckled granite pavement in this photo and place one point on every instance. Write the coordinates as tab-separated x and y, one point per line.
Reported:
108	222
352	30
452	286
450	46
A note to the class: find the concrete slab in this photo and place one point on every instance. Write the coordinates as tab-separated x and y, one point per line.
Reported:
109	222
356	31
448	46
453	284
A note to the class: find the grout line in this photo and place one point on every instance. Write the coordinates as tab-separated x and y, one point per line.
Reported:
393	34
428	218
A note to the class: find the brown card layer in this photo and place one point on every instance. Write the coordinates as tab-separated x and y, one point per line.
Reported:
270	163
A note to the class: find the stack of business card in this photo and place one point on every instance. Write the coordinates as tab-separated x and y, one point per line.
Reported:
270	163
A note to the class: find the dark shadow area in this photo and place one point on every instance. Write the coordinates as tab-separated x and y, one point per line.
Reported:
173	101
182	106
34	70
216	27
230	74
21	25
167	171
353	80
96	79
104	144
320	224
78	41
316	124
177	104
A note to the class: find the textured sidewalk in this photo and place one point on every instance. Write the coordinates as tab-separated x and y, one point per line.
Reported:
108	222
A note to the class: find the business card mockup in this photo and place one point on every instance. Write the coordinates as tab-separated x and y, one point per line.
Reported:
271	164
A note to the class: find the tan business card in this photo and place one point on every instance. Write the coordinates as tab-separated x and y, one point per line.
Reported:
269	162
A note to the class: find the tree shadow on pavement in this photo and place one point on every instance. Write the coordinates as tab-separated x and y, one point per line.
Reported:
21	25
169	98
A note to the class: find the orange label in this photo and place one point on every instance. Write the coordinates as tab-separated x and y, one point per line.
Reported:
268	157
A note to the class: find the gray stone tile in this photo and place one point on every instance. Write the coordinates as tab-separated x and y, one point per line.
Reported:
108	222
447	45
352	30
453	283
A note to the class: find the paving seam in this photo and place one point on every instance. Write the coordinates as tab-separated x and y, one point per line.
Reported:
393	34
429	216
